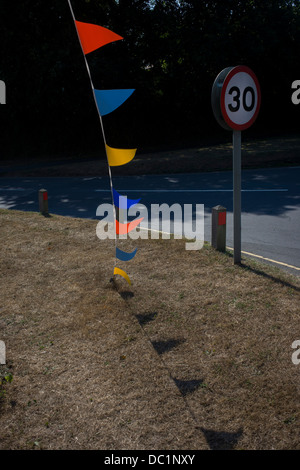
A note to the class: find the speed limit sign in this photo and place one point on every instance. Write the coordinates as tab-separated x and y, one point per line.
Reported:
236	98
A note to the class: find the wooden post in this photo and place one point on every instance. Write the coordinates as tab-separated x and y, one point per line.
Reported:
43	201
218	228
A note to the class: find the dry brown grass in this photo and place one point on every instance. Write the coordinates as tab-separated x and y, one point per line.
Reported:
196	355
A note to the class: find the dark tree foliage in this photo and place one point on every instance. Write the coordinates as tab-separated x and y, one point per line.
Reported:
171	53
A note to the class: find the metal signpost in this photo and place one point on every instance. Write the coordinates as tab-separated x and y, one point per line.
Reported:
235	102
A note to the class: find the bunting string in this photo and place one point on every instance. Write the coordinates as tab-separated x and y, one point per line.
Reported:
92	37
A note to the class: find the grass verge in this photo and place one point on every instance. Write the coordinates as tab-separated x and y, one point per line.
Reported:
195	355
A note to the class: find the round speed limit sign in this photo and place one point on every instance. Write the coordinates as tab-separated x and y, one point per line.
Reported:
236	98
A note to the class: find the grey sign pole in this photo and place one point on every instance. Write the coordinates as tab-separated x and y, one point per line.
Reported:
237	196
235	100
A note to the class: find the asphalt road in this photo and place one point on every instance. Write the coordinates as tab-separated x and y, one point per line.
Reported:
270	203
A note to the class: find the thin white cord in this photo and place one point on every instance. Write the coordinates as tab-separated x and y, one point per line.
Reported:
101	121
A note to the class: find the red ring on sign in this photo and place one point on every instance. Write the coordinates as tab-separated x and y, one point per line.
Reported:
234	71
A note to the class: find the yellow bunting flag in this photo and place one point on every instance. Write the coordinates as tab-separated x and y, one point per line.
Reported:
118	157
123	274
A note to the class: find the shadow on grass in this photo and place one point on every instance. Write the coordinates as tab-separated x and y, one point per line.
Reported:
188	386
162	347
262	273
125	294
282	282
147	318
220	440
216	440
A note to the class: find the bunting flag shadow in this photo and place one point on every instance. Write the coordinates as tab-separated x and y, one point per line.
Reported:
221	440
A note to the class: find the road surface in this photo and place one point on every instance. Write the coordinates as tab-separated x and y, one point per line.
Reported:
270	203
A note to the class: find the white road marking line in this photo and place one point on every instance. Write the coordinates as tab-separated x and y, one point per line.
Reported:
190	190
267	259
14	189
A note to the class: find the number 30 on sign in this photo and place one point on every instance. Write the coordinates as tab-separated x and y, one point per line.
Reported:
236	98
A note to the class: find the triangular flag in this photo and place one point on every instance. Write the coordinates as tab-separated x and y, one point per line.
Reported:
93	36
123	274
123	256
121	229
118	157
122	202
109	100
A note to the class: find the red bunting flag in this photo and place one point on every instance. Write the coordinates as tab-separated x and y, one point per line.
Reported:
122	229
93	36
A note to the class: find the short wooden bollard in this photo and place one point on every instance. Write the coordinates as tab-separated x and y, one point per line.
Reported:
2	353
43	201
218	228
